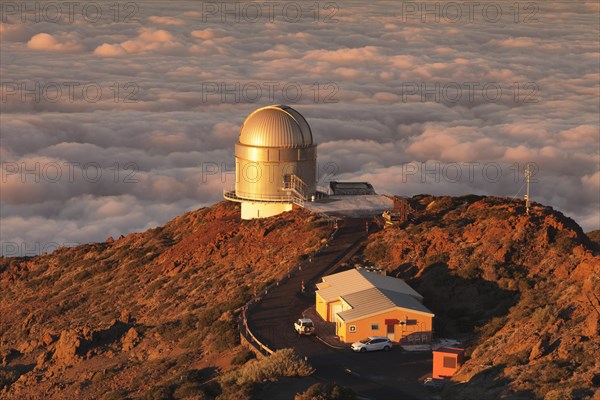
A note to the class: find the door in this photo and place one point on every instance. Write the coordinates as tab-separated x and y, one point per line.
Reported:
335	308
390	332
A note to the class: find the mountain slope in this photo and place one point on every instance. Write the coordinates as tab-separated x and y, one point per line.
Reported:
135	313
521	290
151	315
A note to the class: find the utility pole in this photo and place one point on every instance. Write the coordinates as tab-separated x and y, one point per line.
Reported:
528	179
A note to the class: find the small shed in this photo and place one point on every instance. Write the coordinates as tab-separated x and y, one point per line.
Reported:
446	361
351	188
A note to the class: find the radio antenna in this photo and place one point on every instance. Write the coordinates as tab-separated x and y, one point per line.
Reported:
528	180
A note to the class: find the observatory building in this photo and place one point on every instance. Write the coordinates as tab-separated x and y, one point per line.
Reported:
275	162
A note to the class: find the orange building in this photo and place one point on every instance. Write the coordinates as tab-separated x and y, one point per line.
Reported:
363	303
446	361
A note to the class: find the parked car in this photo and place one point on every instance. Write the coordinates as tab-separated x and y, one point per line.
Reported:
304	326
372	343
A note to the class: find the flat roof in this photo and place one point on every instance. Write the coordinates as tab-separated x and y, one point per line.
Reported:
452	350
352	185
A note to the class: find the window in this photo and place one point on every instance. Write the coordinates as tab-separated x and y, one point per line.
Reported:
449	362
374	327
352	328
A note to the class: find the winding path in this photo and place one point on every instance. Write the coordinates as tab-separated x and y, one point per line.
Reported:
271	321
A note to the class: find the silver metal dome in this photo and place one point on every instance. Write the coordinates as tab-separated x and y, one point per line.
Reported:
276	126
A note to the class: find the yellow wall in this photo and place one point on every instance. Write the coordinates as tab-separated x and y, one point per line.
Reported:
330	307
418	323
325	309
321	307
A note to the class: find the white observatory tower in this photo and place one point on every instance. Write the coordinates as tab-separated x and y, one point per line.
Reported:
275	162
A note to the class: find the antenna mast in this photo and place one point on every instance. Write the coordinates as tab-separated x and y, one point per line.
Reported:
528	179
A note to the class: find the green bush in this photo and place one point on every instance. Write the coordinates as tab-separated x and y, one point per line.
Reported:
236	393
158	393
226	335
555	371
376	252
438	258
208	316
115	395
520	358
188	322
564	244
490	329
193	340
7	376
470	270
543	315
281	363
190	390
170	330
243	357
320	391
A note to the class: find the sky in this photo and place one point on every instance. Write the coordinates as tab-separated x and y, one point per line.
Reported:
118	116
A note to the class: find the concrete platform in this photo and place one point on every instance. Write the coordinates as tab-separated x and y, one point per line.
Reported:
351	206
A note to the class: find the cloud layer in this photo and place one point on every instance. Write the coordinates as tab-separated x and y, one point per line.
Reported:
118	125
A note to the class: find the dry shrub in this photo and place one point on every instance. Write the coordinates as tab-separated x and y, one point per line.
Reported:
320	391
282	363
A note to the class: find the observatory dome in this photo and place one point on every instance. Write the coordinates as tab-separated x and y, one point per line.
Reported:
276	126
275	162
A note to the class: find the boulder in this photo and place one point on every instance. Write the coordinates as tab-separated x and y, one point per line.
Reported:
130	340
67	348
538	349
48	339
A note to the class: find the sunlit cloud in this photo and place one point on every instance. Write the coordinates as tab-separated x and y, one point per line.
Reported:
178	129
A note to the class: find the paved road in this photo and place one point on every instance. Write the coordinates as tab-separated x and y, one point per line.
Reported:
377	375
272	319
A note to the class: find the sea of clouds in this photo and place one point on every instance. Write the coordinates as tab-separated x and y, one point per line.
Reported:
116	117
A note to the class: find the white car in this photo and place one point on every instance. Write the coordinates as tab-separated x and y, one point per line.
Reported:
304	326
372	343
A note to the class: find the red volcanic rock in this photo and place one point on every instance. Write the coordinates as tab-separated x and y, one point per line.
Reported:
497	278
176	280
48	339
67	346
131	339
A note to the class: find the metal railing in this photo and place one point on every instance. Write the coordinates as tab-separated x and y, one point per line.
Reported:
230	194
243	321
295	184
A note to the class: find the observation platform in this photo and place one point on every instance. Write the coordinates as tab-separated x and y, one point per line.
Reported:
351	206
